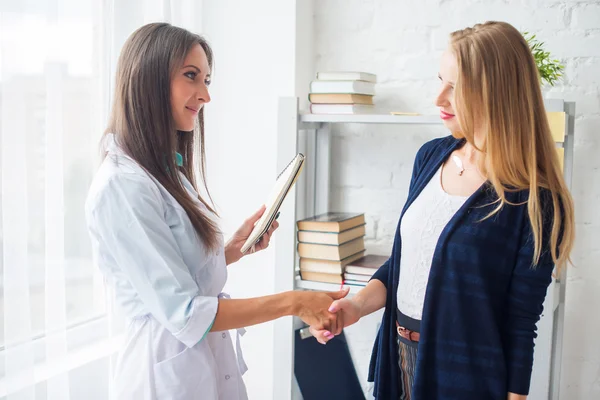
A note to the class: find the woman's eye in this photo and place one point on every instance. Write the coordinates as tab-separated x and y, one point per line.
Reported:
207	82
191	75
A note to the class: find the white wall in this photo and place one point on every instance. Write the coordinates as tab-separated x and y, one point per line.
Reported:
401	42
255	50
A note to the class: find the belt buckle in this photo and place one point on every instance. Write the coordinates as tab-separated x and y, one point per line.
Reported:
405	333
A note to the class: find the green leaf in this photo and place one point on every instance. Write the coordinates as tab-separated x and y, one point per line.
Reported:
549	69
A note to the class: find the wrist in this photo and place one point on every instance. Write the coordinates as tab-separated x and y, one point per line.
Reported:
359	302
230	254
292	302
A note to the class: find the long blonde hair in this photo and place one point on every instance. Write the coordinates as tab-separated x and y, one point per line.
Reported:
498	94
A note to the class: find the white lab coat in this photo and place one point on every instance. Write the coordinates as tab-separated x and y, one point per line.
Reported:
167	285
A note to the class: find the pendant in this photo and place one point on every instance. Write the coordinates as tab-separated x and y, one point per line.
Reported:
459	164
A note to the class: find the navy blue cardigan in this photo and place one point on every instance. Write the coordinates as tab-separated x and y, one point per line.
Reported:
482	302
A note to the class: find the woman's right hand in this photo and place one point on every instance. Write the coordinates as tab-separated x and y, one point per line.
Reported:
349	312
314	309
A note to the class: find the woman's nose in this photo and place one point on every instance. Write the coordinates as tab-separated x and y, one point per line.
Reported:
203	95
441	99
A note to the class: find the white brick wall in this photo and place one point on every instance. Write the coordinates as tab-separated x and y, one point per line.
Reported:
401	41
586	16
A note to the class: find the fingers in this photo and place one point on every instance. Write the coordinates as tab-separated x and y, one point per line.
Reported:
256	216
340	324
322	335
340	294
264	242
336	306
266	238
333	323
272	228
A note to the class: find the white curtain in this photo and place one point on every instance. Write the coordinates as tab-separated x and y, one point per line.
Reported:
57	62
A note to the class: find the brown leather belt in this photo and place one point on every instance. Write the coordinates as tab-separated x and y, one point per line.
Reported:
407	333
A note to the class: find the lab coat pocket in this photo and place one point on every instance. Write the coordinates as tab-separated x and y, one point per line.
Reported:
188	375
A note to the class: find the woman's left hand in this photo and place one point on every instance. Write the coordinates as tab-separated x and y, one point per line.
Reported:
233	246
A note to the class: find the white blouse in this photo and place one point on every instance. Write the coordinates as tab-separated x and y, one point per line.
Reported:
420	230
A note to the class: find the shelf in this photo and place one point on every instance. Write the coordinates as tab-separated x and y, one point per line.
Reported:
372	118
556	294
313	134
322	286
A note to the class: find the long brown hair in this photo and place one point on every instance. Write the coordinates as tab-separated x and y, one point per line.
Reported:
498	93
142	120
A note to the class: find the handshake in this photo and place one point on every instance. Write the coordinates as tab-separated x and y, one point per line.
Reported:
327	313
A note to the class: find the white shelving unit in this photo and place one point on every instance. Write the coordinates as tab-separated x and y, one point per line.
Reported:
310	134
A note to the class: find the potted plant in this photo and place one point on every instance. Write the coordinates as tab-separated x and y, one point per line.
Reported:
550	70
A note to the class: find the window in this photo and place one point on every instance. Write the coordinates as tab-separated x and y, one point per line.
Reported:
57	60
51	118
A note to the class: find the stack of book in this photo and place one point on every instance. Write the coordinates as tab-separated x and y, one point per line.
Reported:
342	93
329	242
359	272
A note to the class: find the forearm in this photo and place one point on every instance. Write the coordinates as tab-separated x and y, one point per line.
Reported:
232	254
371	298
239	313
513	396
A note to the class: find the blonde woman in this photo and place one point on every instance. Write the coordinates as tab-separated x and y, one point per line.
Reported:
487	219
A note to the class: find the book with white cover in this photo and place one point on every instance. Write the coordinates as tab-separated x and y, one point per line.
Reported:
346	76
353	87
342	109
